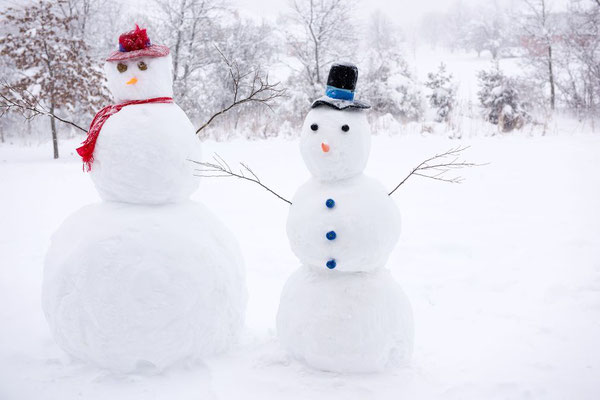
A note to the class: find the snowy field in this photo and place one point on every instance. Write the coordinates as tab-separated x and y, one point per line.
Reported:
503	272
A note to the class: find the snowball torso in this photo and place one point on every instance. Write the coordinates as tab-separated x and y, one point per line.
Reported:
127	286
142	154
365	220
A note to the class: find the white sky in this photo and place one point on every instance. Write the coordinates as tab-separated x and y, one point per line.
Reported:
402	11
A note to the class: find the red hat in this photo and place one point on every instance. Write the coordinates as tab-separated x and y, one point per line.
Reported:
136	44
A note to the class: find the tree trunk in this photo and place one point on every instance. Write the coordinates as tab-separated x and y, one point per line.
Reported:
54	135
551	79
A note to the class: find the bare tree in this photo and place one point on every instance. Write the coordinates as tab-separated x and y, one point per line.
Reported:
540	30
327	34
190	27
579	63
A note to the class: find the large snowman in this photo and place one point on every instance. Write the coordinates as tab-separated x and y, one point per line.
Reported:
146	278
341	310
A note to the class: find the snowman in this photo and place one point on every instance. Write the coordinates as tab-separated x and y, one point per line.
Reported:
147	278
341	310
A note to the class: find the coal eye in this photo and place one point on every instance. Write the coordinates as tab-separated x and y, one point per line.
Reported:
142	66
121	67
314	127
345	128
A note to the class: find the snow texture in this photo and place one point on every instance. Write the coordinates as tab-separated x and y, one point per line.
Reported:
365	219
142	155
129	286
345	322
502	273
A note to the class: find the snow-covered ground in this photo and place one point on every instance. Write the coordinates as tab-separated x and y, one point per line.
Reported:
503	272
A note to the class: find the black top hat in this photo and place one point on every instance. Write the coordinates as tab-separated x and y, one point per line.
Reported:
340	88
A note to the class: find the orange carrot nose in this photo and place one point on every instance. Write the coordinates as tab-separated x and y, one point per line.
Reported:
325	147
132	81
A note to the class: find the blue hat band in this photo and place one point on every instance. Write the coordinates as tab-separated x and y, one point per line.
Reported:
340	94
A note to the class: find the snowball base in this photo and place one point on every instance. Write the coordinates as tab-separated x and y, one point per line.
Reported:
128	287
345	322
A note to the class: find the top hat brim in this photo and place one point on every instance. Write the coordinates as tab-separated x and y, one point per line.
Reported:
155	50
339	104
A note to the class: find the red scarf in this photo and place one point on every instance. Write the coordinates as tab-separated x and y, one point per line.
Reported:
86	150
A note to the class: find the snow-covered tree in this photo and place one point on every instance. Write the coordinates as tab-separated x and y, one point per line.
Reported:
499	98
442	96
389	84
488	29
57	73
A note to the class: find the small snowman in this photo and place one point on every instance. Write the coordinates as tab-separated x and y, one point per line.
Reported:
146	278
341	310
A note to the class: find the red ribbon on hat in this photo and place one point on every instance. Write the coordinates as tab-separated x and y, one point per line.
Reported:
86	150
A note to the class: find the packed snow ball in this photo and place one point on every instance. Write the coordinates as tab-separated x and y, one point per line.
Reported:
335	144
132	287
365	220
142	155
345	322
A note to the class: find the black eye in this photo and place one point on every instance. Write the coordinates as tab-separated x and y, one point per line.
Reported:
121	67
345	128
314	127
142	66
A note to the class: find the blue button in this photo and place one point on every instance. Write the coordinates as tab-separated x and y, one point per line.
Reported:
330	235
330	203
331	264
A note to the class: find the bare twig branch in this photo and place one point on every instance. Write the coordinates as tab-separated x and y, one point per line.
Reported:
220	169
13	99
259	89
440	164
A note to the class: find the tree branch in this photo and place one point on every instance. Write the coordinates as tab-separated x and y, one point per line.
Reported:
220	169
440	164
13	99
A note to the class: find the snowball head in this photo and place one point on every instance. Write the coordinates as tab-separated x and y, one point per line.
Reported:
364	219
133	287
335	144
353	322
140	78
142	155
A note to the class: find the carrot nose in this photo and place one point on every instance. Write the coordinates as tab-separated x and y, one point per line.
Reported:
325	147
131	81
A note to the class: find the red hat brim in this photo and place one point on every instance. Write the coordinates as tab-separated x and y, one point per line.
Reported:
155	50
